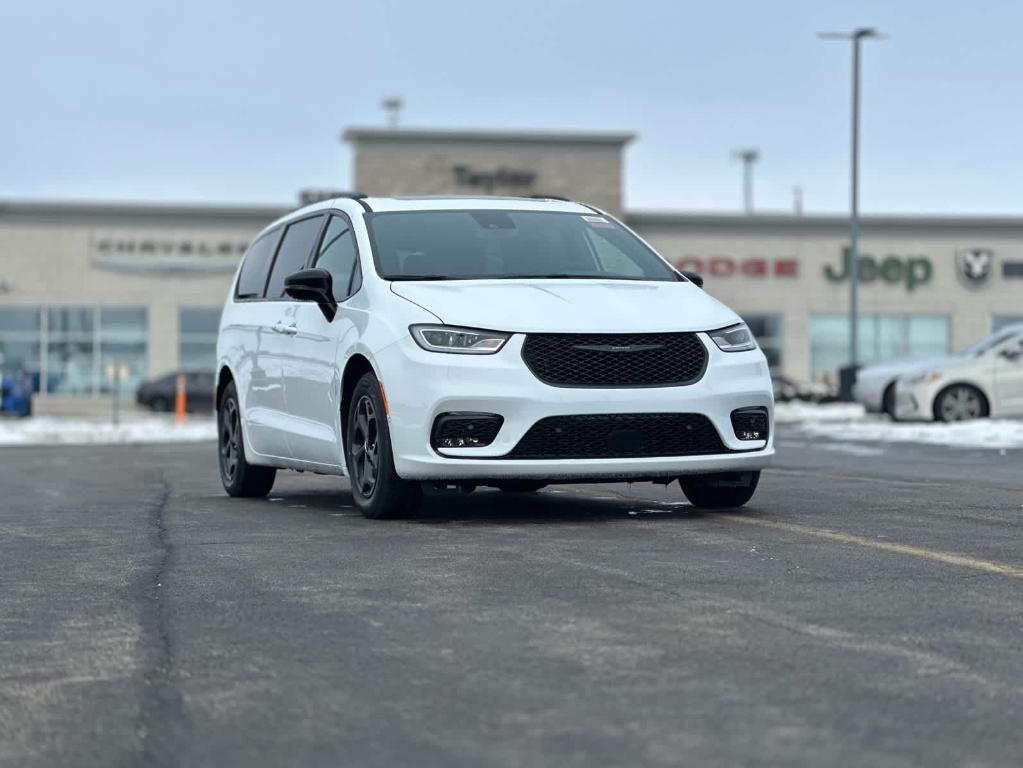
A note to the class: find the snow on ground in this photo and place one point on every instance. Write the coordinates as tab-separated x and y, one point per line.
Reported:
849	422
797	412
48	430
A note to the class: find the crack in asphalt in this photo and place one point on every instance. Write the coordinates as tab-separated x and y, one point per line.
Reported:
160	703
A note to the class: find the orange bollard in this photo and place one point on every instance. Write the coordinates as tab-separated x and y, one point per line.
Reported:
179	400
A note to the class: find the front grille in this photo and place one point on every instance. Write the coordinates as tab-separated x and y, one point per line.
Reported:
615	360
617	436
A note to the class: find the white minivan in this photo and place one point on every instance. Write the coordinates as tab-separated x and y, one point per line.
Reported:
481	341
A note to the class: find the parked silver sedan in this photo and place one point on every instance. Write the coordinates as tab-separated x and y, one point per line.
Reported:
984	380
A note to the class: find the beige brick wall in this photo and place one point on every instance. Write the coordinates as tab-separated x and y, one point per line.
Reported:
969	309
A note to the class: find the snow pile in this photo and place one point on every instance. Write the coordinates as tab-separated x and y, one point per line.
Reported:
149	429
980	433
848	422
793	412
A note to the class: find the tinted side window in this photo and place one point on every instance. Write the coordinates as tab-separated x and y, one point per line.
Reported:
298	243
337	255
255	266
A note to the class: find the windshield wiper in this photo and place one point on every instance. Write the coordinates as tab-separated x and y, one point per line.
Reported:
559	276
422	277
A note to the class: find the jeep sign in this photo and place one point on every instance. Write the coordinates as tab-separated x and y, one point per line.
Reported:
909	271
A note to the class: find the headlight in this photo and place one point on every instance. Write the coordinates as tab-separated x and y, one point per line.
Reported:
734	338
462	341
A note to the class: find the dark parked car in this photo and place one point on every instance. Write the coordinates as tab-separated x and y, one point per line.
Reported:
159	394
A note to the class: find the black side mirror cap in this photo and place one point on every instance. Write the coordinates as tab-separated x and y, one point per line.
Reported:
693	277
313	285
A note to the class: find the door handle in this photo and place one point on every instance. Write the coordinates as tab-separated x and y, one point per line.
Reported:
289	330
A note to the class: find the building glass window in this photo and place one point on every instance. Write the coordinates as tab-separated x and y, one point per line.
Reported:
21	342
882	337
67	350
70	351
767	331
197	338
1000	321
123	337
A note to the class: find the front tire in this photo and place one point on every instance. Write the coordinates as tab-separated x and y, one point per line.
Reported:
238	476
377	490
721	490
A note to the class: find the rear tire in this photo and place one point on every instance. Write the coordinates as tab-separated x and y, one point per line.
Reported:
521	486
721	490
238	476
377	490
960	402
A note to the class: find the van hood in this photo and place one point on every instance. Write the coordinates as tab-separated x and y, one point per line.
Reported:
569	306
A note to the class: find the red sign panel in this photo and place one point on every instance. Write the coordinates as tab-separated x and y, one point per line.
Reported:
753	266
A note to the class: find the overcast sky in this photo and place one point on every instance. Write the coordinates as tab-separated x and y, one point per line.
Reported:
244	102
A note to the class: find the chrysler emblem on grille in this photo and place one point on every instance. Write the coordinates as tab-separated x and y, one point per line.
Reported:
617	347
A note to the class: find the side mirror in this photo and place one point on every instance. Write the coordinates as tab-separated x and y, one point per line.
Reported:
1010	353
693	277
313	285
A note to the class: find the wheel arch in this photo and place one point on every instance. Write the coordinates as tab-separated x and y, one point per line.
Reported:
224	377
888	396
358	365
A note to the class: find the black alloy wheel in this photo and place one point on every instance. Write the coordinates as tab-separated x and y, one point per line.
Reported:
238	477
377	490
364	447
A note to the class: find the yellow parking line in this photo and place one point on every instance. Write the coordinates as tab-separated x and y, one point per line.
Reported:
950	558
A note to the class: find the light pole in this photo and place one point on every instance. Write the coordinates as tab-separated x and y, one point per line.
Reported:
858	34
748	157
392	107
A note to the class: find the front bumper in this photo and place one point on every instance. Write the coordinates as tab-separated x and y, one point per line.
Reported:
915	402
420	385
870	395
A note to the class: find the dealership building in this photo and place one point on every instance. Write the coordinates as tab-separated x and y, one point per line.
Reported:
87	289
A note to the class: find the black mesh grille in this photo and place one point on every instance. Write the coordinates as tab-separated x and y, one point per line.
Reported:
750	423
615	360
625	435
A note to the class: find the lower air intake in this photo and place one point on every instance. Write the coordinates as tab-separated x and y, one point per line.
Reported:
617	436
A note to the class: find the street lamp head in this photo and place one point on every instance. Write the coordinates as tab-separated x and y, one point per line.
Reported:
748	155
860	33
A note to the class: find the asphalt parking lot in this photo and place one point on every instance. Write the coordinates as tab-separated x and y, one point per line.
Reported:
865	609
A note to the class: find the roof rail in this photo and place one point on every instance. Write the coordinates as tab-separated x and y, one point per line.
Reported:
358	197
549	197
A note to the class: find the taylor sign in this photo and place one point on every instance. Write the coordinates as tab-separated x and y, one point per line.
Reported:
909	271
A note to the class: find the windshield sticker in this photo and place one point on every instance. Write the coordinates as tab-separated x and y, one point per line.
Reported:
598	221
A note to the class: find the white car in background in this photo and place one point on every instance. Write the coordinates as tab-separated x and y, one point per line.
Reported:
986	379
875	384
505	342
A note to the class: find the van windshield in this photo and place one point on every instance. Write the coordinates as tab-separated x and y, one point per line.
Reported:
495	245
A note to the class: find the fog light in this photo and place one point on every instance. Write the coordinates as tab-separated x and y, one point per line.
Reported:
750	423
465	430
